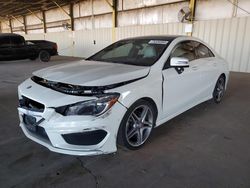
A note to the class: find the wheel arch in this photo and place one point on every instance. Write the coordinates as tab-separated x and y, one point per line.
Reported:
223	75
151	101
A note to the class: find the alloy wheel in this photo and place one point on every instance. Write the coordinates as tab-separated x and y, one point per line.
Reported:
219	89
139	125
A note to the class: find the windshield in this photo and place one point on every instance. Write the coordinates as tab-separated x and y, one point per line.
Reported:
140	52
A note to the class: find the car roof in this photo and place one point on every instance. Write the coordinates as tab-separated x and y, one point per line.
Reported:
156	37
9	35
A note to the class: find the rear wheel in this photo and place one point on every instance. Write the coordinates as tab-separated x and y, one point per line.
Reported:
137	125
219	90
44	56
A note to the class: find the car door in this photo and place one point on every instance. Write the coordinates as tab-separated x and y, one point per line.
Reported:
5	48
209	69
19	47
181	90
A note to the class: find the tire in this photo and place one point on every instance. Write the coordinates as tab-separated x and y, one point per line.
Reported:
44	56
219	89
137	126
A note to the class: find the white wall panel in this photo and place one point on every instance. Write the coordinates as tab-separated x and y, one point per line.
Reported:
84	8
87	42
57	14
17	22
230	38
152	15
159	29
33	20
34	37
244	4
131	4
101	7
65	41
103	21
83	23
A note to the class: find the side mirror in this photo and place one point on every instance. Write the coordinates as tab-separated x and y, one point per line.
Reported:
179	62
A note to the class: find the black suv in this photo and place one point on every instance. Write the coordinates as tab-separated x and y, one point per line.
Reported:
14	47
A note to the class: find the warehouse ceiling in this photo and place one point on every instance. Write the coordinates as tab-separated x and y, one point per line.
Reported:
22	7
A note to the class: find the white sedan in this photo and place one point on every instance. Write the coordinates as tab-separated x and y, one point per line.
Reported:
118	95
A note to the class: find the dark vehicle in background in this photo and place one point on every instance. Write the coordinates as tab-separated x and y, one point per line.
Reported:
14	47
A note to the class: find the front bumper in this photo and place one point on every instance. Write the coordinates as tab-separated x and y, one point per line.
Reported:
74	135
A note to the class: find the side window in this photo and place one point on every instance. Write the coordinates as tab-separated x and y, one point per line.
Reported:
4	42
184	49
17	41
203	52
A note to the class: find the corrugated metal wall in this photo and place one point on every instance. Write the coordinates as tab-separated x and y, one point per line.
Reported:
229	37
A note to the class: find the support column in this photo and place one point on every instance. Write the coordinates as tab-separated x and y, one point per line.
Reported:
11	30
25	25
114	17
44	22
192	6
71	14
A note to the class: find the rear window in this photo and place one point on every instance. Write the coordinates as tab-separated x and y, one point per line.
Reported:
17	41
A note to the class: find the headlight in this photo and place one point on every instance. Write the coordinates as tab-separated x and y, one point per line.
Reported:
94	107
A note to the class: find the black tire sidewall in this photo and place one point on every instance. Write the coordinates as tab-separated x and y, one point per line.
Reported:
214	96
44	52
121	137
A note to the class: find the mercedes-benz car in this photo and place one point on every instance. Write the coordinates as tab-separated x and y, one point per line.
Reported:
120	94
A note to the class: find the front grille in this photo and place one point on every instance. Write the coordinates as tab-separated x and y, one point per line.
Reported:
33	126
40	131
85	138
30	104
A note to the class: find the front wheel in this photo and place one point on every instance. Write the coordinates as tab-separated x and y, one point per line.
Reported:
137	125
44	56
219	90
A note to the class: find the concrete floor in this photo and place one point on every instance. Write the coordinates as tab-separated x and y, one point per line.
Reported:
207	146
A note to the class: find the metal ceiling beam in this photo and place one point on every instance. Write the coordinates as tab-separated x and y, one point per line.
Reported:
17	20
3	20
111	6
61	8
34	14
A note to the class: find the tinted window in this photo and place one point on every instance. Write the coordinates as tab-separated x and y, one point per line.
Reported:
4	41
203	52
141	52
17	41
185	49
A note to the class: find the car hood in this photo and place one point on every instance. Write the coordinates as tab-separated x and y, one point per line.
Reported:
92	73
